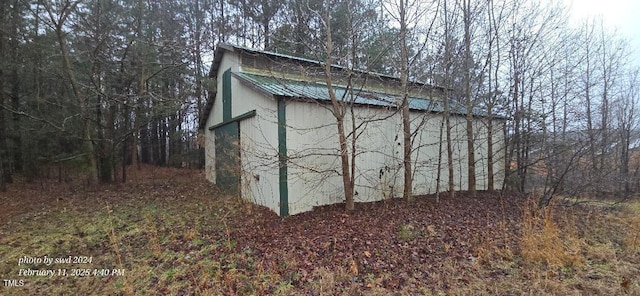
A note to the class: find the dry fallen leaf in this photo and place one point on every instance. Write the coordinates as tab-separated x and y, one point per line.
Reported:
625	285
353	267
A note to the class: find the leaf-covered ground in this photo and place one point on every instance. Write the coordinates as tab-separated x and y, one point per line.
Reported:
388	245
168	231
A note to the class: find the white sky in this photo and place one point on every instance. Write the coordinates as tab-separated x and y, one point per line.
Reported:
621	15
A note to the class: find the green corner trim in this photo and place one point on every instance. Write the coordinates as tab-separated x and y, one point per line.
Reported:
226	96
282	157
240	117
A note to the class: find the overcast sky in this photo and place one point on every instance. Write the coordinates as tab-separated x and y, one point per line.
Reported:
621	15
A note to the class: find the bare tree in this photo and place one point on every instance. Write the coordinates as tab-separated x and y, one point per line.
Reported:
468	66
493	61
448	57
404	106
627	124
339	111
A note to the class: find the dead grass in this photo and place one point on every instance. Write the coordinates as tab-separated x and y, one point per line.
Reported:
631	217
581	250
549	237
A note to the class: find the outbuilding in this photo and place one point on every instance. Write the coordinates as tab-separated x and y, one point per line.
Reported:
271	137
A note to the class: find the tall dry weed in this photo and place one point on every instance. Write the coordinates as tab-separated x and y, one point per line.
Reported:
631	217
549	237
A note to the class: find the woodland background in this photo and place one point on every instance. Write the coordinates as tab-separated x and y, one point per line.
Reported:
89	87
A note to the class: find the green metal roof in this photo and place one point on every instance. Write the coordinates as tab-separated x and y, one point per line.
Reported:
318	91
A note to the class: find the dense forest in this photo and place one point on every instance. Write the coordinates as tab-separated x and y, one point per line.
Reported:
87	88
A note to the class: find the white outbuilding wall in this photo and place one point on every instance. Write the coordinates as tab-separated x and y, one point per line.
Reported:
313	161
315	166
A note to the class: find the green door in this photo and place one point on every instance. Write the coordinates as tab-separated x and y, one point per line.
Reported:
227	160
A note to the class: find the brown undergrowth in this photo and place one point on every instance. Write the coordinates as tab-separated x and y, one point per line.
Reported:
586	247
549	236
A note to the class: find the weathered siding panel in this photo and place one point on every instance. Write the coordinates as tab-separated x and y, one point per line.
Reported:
312	146
259	147
378	161
315	166
426	152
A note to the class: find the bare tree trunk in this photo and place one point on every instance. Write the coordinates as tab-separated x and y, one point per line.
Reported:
471	176
163	140
439	167
127	139
624	161
103	122
517	93
135	158
490	159
627	118
109	140
517	132
141	91
526	135
493	37
3	184
604	103
103	167
588	101
338	111
407	193
197	55
15	89
447	112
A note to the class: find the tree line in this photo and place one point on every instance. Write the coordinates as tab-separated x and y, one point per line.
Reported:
96	86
